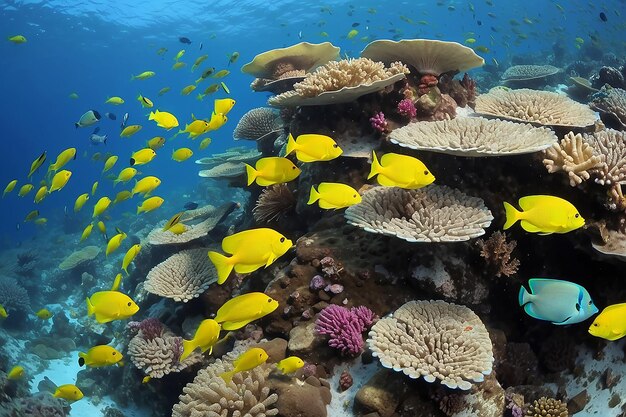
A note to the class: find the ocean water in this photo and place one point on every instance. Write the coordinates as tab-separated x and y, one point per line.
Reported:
92	48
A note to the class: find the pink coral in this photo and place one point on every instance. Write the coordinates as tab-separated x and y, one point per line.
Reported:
379	122
407	109
150	328
345	327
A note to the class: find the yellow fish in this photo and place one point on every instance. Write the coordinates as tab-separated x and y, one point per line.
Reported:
610	324
11	185
145	185
243	309
482	49
80	202
142	156
41	221
544	214
164	119
68	392
3	312
86	232
313	147
290	365
145	101
164	90
17	39
37	163
115	100
150	204
122	196
272	170
332	195
156	143
232	58
470	41
178	229
206	336
110	162
117	282
146	379
217	120
25	189
352	34
62	159
205	143
187	90
130	256
59	180
143	76
223	105
110	305
15	373
178	65
98	356
250	250
199	61
395	170
101	206
246	361
130	130
196	128
182	154
44	314
31	216
94	188
114	243
41	194
173	221
125	175
179	55
221	74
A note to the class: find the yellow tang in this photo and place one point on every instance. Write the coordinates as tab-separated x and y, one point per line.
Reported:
130	130
250	250
101	206
182	154
272	170
146	379
352	34
102	228
145	101
206	336
217	120
68	392
122	196
111	160
290	364
130	256
44	314
3	312
37	163
195	128
86	232
41	194
80	201
117	282
31	216
110	305
164	119
114	243
115	100
150	204
395	170
211	89
25	189
98	356
17	39
243	309
223	105
188	90
59	180
126	174
250	359
10	187
15	373
178	65
332	195
146	185
62	159
544	214
94	187
143	76
313	147
156	143
205	143
610	324
142	156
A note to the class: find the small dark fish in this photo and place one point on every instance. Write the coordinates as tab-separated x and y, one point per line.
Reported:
96	130
603	17
191	205
355	24
300	35
46	385
479	23
124	120
182	39
110	116
200	45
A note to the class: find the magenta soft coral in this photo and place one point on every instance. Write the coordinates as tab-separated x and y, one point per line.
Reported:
345	327
406	108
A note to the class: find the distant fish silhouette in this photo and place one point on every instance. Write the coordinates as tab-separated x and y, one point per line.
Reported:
191	205
182	39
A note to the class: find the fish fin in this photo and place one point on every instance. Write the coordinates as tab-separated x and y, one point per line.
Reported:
265	183
222	264
614	306
76	125
302	157
385	181
537	285
291	145
228	376
90	308
235	325
544	234
530	310
314	196
252	174
524	297
375	169
102	319
512	215
531	228
528	202
326	206
562	323
246	269
270	259
151	115
188	347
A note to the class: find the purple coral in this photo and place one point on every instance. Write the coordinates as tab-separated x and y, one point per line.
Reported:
407	109
344	327
379	122
150	328
317	283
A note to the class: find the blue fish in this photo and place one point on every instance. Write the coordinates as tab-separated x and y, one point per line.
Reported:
557	301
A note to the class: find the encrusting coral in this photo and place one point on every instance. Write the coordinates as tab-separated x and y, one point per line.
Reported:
497	254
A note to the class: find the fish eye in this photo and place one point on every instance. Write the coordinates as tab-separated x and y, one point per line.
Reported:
335	146
577	307
577	215
590	302
425	172
354	195
595	324
293	167
129	304
269	300
282	240
113	353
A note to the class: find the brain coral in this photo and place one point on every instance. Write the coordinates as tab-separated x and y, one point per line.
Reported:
434	340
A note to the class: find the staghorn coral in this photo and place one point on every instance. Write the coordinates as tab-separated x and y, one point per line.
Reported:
434	340
536	107
78	257
528	72
611	104
546	407
431	214
274	204
183	276
247	395
345	327
257	123
473	136
13	295
574	156
497	254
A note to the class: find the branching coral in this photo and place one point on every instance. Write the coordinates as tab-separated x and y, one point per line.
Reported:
345	327
274	204
497	253
547	407
574	156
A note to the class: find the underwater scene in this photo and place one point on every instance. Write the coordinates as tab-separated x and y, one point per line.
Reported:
313	209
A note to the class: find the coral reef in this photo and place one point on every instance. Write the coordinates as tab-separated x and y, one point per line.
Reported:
547	407
574	156
497	254
13	296
345	327
274	204
611	104
528	72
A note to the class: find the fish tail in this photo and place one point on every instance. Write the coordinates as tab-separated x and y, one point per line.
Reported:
81	358
188	347
90	308
228	376
523	296
132	77
314	195
252	174
512	215
151	116
222	264
376	167
291	145
76	125
139	209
